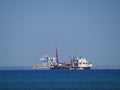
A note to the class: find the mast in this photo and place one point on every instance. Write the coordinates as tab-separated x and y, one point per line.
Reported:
56	55
71	61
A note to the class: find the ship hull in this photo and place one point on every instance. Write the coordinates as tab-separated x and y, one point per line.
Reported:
71	68
80	68
60	67
84	68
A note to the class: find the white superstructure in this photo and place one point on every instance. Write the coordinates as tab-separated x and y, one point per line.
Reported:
81	63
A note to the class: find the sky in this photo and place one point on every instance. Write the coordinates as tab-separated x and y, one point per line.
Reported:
30	29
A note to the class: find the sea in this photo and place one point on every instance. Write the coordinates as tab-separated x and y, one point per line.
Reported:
60	79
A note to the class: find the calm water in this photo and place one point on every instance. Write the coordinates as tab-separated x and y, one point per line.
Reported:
59	80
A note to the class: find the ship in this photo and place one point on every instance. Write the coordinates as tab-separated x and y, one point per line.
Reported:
76	63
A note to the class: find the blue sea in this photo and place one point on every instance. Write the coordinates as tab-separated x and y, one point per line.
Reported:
59	80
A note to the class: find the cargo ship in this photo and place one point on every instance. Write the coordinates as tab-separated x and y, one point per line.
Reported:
50	62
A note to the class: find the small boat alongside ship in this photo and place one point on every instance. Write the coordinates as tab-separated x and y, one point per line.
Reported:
50	62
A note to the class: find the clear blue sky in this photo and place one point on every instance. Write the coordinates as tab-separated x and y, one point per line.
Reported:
30	29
